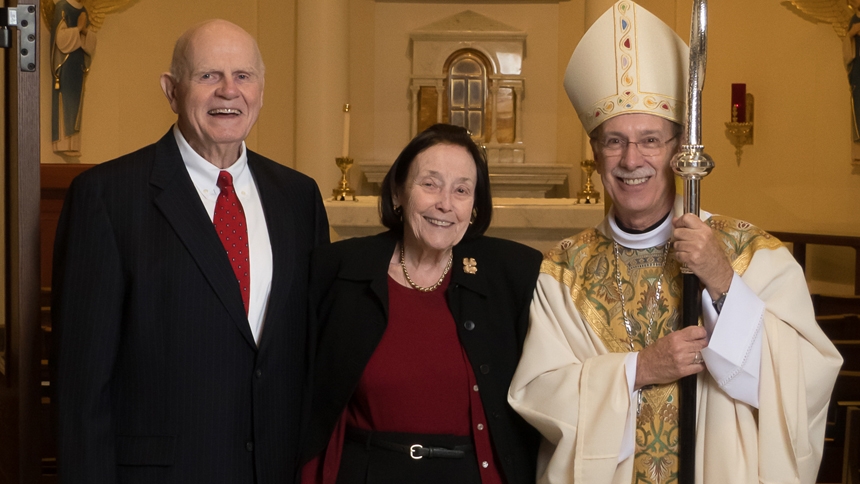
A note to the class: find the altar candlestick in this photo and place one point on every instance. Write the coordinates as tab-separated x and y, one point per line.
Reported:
345	130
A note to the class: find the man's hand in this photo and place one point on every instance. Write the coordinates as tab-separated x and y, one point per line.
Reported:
671	357
696	245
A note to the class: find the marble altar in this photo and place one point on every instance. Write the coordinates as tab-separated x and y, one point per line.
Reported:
536	222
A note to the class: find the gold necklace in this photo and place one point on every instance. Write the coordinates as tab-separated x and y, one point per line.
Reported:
409	279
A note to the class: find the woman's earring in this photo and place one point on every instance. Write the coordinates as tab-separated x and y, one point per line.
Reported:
398	210
474	216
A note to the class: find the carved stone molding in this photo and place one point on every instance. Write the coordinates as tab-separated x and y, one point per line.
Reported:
530	180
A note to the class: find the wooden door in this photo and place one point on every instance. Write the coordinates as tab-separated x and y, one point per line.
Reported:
23	423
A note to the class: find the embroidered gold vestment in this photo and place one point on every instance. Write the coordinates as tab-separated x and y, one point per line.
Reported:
571	383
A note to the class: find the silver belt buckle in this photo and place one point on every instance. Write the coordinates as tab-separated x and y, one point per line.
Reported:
412	450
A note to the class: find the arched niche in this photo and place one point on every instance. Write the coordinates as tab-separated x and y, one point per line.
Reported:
491	98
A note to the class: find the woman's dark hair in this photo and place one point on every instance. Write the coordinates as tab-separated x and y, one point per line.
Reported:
436	135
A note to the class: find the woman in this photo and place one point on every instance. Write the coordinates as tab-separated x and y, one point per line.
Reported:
419	330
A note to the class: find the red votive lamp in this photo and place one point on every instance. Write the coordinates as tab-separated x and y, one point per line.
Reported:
739	101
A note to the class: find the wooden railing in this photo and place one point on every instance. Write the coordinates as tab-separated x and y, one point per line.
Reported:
800	241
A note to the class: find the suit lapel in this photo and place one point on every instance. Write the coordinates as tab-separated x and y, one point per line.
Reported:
181	206
280	223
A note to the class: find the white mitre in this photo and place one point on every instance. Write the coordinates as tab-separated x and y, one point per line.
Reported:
629	61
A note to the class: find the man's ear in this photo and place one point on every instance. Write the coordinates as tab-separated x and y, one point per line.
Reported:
168	86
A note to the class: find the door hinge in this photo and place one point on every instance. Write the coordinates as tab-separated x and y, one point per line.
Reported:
23	17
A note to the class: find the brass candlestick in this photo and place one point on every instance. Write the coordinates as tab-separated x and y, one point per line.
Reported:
740	131
589	194
343	190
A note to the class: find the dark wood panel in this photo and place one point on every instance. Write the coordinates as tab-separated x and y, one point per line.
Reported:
801	240
851	470
850	351
55	182
835	305
841	327
846	389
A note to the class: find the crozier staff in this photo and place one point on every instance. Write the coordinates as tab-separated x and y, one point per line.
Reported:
599	371
419	331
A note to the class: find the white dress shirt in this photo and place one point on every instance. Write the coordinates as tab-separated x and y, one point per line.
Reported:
204	175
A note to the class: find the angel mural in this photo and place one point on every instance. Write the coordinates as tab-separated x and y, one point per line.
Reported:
73	24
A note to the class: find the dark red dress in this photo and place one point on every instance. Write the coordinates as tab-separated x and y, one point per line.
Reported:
419	380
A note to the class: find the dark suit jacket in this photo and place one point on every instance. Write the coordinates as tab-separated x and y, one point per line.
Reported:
159	379
349	302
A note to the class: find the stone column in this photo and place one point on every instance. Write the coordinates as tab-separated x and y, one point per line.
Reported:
518	126
440	101
415	112
322	87
494	102
593	10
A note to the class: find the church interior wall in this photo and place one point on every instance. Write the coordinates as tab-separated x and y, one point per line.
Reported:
124	107
796	177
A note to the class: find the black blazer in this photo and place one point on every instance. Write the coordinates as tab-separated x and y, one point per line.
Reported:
159	379
349	302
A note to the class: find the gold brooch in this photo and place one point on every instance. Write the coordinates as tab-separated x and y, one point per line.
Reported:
470	266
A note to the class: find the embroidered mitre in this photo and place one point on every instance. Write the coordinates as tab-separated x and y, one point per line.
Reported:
629	61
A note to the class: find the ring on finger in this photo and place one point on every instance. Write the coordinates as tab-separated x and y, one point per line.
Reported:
698	358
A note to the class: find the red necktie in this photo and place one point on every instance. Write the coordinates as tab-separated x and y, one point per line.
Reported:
230	224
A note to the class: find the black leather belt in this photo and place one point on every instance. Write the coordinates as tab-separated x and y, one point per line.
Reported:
415	451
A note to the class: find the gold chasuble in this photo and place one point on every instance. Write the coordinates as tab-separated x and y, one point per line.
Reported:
589	261
647	285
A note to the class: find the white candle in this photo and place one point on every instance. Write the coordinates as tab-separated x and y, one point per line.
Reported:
345	130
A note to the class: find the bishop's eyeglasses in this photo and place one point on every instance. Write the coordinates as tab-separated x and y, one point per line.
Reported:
650	146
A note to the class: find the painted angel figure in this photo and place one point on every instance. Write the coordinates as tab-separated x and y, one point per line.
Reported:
73	43
843	16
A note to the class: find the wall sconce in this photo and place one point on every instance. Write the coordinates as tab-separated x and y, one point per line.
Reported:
739	130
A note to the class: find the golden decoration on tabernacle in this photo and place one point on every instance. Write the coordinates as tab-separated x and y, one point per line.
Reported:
470	266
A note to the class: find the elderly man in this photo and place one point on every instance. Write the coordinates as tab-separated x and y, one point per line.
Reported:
598	375
180	291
